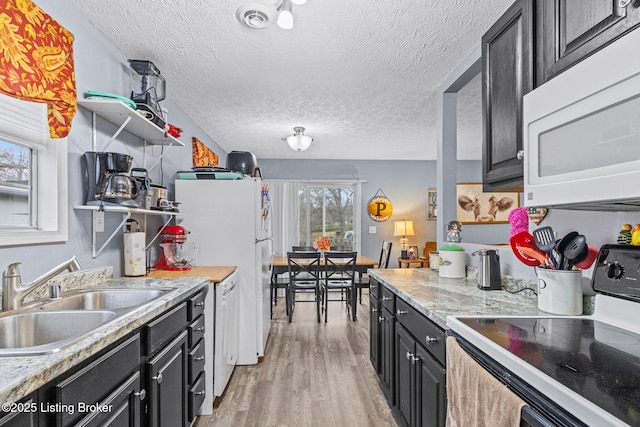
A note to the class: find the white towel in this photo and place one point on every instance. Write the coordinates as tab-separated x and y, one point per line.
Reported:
475	397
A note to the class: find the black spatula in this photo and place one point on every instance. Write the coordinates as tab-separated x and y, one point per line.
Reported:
546	242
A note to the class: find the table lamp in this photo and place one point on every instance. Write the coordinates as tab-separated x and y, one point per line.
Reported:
403	228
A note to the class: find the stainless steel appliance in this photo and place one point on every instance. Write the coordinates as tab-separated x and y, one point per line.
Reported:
571	370
489	277
581	133
106	181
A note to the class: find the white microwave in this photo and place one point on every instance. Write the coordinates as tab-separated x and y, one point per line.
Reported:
582	133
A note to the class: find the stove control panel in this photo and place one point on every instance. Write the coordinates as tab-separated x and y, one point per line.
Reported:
617	271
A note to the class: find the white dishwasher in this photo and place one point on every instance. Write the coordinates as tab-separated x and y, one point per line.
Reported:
225	347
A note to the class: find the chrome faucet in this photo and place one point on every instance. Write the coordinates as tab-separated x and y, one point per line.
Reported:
14	292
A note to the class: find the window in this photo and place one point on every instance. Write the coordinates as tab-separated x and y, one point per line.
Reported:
33	176
332	210
15	186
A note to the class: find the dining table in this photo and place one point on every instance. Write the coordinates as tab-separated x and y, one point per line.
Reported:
279	265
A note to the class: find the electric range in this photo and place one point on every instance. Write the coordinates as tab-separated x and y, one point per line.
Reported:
572	370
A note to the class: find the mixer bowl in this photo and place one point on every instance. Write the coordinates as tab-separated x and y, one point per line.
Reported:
179	256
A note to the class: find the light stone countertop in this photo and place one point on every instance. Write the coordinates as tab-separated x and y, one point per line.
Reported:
21	375
438	297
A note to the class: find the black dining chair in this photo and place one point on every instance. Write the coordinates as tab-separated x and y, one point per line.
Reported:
304	278
339	275
363	281
303	249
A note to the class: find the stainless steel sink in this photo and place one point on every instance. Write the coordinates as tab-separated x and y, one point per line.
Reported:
105	299
49	326
48	331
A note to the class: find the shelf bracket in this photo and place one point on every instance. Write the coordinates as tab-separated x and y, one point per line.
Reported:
94	253
158	233
120	129
155	164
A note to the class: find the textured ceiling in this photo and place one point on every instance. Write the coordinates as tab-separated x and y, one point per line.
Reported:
359	75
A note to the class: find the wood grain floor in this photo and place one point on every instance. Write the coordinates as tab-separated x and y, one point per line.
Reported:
312	374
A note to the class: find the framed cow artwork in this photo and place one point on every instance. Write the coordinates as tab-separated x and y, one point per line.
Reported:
476	207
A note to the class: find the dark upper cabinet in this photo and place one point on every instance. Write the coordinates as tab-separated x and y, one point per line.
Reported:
507	75
570	30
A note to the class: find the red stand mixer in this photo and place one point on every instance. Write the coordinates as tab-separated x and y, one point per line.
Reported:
176	253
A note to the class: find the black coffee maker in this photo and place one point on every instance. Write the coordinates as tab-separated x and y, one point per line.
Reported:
106	179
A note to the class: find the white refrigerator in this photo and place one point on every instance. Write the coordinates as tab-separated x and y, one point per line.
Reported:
229	221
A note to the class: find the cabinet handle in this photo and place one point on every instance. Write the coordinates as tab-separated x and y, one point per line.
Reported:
199	358
387	298
374	310
380	318
624	3
412	358
520	155
141	394
199	304
430	340
199	393
401	312
158	378
200	329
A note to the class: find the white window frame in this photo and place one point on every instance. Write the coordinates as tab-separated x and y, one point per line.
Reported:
26	123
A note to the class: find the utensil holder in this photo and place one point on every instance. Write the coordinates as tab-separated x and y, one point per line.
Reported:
560	291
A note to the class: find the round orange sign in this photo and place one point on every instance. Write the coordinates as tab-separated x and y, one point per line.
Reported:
380	208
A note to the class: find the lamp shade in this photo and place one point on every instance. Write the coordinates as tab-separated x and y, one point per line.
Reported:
403	228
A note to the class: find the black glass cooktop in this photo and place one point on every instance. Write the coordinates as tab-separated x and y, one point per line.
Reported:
598	361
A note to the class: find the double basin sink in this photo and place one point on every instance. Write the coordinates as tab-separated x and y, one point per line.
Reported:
52	325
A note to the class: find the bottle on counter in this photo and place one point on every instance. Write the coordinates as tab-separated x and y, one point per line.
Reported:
624	237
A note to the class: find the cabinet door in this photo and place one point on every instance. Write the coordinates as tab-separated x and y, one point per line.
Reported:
387	362
405	378
121	408
374	333
167	384
430	390
507	71
24	414
571	30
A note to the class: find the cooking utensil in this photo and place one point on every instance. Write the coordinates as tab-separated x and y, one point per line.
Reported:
540	256
576	250
524	239
589	259
546	241
562	245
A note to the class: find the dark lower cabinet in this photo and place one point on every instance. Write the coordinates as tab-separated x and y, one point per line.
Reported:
153	378
409	354
567	31
168	381
387	356
374	332
23	413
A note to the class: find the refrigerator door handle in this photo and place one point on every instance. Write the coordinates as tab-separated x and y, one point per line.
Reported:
264	240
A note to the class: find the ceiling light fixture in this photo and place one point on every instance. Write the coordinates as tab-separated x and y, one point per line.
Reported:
298	2
298	141
285	18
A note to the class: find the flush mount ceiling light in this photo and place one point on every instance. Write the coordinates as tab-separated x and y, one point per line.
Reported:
255	16
298	141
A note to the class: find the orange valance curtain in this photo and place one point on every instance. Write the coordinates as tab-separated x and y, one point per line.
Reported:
36	62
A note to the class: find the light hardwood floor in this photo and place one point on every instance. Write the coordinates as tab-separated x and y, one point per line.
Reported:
312	374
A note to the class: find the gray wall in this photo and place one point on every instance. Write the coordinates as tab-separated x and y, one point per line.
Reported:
100	66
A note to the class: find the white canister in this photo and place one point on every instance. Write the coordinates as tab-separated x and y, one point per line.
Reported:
135	261
560	291
452	263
